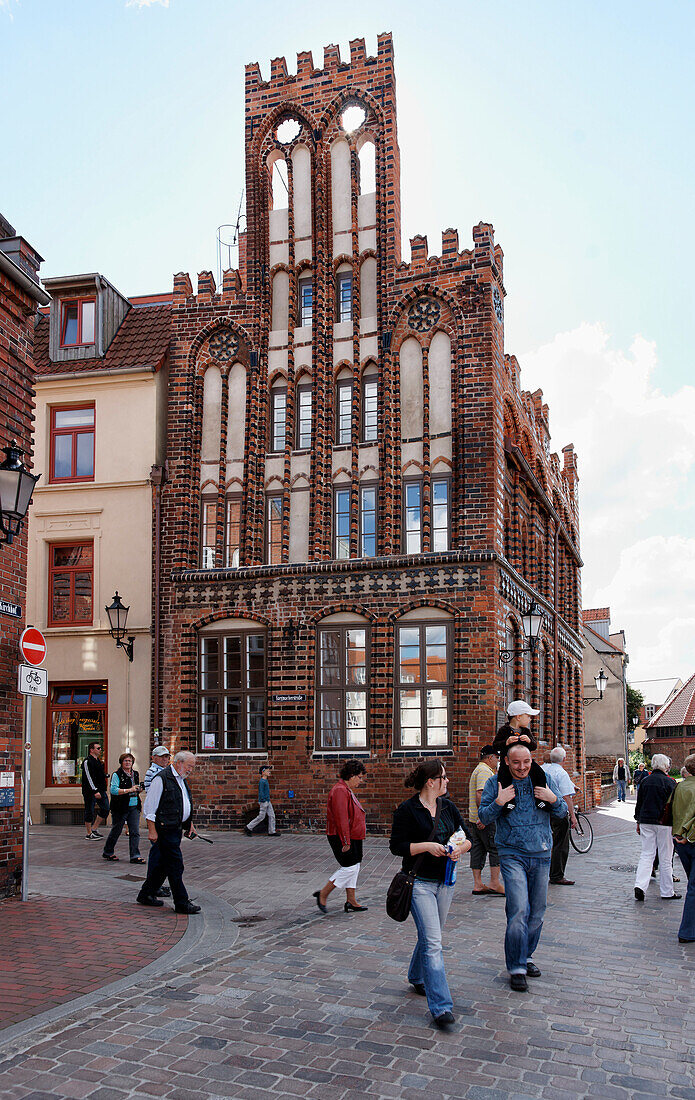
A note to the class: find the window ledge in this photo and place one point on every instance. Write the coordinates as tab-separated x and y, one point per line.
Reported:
341	754
405	754
260	754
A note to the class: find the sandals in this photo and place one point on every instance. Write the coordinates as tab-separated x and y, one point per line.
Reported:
138	860
111	859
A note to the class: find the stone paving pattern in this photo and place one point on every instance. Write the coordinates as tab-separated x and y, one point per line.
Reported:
317	1006
56	949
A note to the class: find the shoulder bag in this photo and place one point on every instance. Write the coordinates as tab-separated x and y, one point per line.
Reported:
400	892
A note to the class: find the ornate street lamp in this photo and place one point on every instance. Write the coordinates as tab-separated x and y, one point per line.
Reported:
532	622
601	681
118	617
16	487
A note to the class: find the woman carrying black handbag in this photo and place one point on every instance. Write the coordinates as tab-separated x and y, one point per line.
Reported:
421	828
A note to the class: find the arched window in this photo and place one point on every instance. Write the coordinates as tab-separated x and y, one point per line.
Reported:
370	409
301	191
280	306
424	679
341	188
510	644
305	298
236	412
303	413
212	415
342	687
343	407
279	183
208	530
411	389
368	287
343	294
278	415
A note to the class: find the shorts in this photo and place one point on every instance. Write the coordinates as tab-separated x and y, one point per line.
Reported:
482	845
96	804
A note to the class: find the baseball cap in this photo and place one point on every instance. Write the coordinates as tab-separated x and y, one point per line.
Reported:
160	750
488	750
520	707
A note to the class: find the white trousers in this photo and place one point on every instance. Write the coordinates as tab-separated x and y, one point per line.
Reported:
266	808
345	878
656	838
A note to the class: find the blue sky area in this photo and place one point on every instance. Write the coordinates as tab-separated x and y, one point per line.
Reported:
567	125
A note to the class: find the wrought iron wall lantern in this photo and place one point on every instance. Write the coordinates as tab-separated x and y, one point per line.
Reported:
601	681
532	622
16	487
118	617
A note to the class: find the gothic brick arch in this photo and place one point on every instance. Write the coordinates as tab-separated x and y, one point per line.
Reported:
298	478
451	321
230	612
368	361
338	261
264	142
207	484
278	372
412	463
275	479
342	608
233	481
422	601
358	97
279	267
200	357
442	461
366	254
344	364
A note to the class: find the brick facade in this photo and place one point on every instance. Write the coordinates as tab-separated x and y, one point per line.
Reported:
429	328
18	303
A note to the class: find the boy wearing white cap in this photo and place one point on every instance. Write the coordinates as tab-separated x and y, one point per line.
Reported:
517	732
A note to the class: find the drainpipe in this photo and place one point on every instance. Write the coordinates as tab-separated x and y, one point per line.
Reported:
157	478
555	639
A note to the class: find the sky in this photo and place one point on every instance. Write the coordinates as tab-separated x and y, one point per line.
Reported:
566	125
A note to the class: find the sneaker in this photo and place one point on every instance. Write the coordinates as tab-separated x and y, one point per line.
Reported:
673	897
99	836
94	836
187	907
639	894
444	1019
418	988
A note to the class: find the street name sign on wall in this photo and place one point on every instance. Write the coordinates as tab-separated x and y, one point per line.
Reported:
13	609
33	681
6	789
32	646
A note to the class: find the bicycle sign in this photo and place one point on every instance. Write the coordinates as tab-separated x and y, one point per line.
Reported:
33	681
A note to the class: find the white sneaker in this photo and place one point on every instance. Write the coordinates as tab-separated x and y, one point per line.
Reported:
94	836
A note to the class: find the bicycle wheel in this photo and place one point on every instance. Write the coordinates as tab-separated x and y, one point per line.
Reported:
582	837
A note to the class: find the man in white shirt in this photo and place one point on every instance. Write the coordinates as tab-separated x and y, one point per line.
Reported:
169	813
561	826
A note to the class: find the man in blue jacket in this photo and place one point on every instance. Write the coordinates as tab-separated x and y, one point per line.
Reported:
525	842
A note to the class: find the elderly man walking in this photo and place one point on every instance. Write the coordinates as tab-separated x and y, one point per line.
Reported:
652	795
561	825
524	842
621	778
169	815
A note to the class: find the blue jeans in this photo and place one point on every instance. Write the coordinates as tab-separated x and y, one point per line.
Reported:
430	905
621	785
686	854
526	888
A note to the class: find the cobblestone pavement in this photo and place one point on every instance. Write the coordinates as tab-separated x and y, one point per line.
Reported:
57	949
317	1006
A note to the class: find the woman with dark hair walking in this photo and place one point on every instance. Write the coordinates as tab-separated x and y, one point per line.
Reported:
346	827
422	826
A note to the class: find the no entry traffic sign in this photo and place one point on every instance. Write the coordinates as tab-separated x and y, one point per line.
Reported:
32	646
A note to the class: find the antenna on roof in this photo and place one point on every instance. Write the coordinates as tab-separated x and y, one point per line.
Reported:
228	243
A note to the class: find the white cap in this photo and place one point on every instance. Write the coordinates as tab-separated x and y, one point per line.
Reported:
160	750
520	707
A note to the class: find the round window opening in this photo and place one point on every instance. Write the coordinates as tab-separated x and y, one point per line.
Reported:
352	118
288	130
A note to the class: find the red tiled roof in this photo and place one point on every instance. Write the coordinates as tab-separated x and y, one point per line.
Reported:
680	711
141	341
596	614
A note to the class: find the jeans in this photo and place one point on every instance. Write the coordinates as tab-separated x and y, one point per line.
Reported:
561	847
621	784
656	838
166	861
130	817
526	888
686	854
429	908
265	809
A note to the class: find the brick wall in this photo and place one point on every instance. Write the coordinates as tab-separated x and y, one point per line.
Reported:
514	517
16	402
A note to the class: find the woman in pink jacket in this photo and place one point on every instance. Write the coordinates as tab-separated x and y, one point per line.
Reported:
346	826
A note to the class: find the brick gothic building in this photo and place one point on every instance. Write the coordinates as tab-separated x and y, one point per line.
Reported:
360	501
20	295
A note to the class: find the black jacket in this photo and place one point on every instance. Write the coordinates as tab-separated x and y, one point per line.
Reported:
96	771
121	802
652	795
169	814
500	743
412	824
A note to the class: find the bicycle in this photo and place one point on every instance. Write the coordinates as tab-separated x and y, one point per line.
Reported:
582	837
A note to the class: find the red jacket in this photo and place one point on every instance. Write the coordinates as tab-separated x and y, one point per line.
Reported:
344	815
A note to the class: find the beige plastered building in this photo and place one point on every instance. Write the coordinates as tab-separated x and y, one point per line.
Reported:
91	528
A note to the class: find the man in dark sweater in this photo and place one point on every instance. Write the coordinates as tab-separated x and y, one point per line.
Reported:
96	800
169	815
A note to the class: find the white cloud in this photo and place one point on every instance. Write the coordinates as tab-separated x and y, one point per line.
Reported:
636	456
146	3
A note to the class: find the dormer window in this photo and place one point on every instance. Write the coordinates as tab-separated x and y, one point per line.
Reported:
77	322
